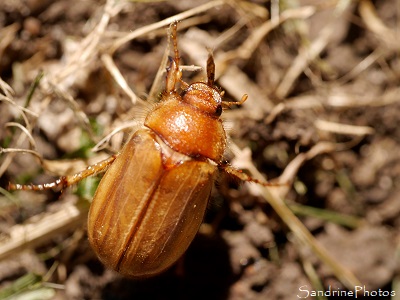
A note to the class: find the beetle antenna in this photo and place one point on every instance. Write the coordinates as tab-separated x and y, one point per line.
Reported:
210	68
230	103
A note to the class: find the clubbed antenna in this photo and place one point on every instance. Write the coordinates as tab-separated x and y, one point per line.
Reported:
210	69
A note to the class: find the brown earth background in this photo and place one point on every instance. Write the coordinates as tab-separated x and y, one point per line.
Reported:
322	116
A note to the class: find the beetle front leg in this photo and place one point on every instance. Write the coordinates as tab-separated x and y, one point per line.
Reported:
174	73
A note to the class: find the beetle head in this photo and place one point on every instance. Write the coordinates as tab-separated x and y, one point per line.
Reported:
205	98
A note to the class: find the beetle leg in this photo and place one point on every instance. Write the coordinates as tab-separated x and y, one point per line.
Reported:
240	175
66	181
174	73
172	77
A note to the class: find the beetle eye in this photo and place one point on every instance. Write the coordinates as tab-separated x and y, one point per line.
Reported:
218	111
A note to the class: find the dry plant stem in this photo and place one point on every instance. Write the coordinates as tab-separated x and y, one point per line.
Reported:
305	237
32	235
302	60
293	167
81	115
311	273
327	215
275	11
280	107
274	196
343	128
102	143
232	75
89	47
8	91
23	129
374	23
306	55
24	111
229	34
8	159
235	82
116	74
8	34
251	44
345	99
362	66
13	151
146	29
28	128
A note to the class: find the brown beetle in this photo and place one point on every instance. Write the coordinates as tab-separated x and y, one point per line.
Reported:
151	201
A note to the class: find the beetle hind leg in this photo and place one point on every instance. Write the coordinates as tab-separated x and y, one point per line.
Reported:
241	176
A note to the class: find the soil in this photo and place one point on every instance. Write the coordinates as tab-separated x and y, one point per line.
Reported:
323	86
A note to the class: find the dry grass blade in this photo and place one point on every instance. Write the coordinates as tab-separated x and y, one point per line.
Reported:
252	42
308	54
339	97
346	220
343	128
49	225
24	130
90	46
12	152
101	144
7	90
16	150
305	237
362	66
375	24
116	74
146	29
303	59
274	196
293	167
7	35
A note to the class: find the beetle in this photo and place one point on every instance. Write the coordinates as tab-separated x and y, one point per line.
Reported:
152	199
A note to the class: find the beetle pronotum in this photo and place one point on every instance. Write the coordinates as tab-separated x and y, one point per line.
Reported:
152	199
